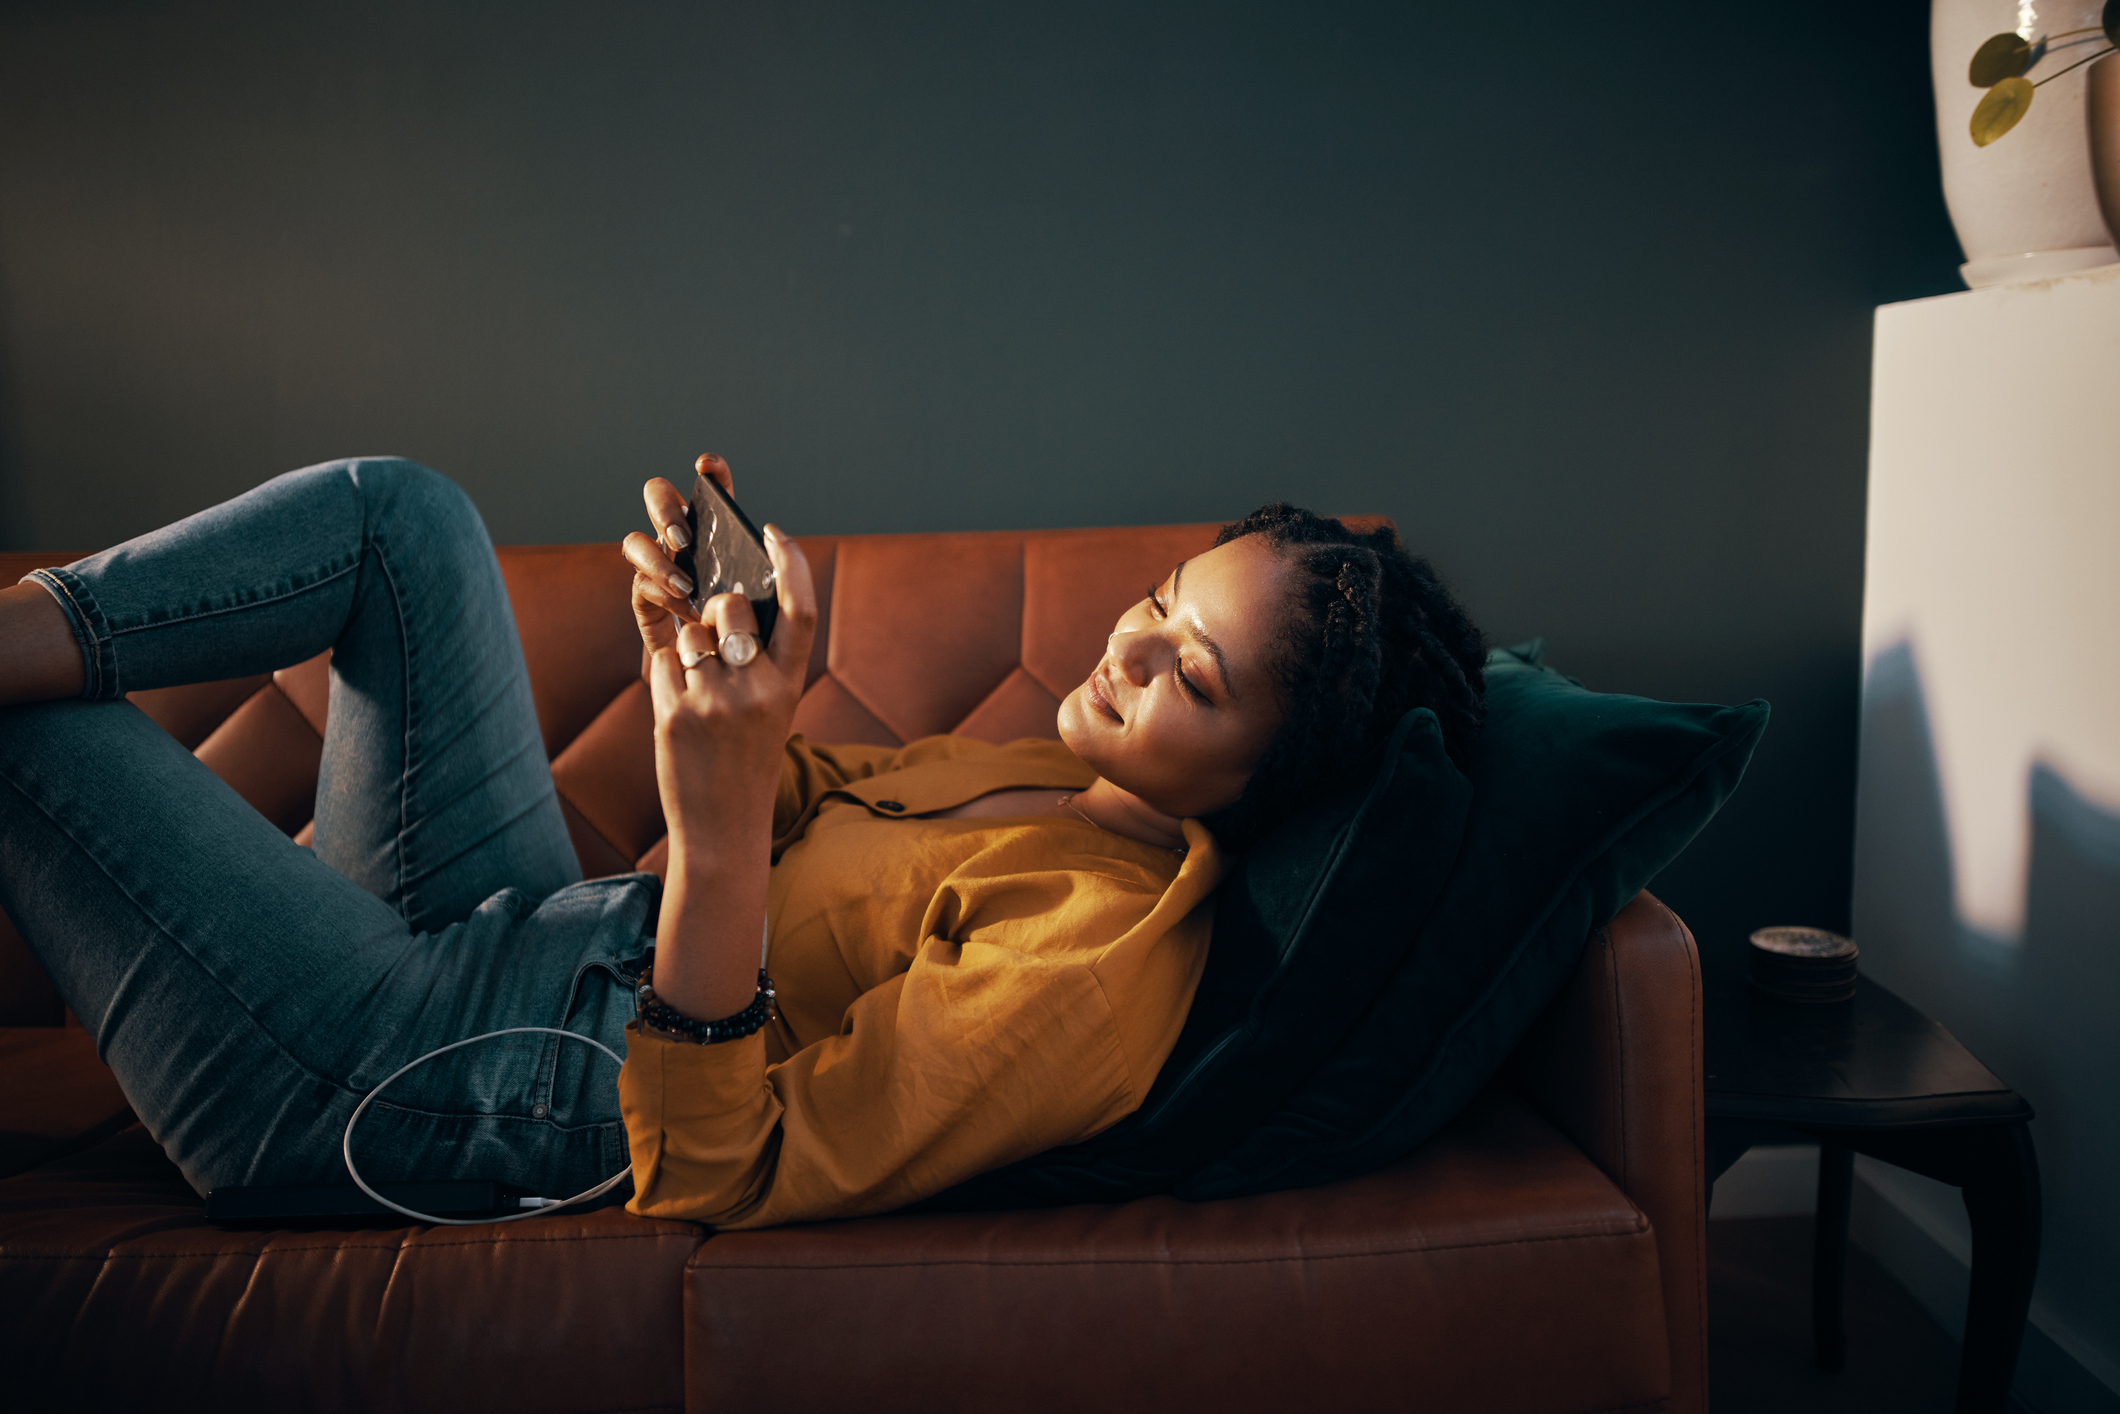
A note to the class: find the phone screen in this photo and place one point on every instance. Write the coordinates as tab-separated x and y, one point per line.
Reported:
728	556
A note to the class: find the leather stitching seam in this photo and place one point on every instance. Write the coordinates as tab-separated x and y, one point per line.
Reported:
394	1252
593	828
1619	1027
1700	1217
863	703
1641	1228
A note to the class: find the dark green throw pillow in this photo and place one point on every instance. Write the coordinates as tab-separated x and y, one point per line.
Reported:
1579	799
1378	956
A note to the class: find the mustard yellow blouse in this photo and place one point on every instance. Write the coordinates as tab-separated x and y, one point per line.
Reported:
954	994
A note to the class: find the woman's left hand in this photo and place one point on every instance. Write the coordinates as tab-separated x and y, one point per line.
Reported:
661	593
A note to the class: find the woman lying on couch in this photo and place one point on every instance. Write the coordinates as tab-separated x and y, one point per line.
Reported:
980	952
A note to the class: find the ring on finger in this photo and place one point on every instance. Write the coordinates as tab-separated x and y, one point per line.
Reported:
738	649
693	657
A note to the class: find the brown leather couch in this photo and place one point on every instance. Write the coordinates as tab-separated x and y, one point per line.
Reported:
1542	1254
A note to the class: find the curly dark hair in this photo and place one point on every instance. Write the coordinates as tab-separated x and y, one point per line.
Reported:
1371	635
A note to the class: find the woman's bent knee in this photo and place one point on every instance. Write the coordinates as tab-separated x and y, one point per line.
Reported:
407	493
420	519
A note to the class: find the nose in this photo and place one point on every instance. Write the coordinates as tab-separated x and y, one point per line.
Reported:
1128	649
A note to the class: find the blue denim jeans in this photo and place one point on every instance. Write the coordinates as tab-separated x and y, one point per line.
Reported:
248	991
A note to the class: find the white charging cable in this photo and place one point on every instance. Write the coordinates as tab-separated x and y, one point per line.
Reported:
537	1206
547	1205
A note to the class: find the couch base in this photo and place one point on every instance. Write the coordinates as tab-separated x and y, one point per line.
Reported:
1420	1280
1416	1286
116	1292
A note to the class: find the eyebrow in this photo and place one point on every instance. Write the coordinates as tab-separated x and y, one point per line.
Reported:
1199	632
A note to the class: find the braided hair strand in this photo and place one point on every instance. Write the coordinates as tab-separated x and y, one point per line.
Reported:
1371	634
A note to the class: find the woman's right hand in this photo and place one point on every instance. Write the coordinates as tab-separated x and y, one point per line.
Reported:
719	734
721	726
659	589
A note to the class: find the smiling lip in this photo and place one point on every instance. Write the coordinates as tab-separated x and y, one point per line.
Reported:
1093	688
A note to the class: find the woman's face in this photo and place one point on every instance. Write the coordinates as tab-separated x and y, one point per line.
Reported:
1184	702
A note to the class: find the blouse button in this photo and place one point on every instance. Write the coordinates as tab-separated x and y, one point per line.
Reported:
890	805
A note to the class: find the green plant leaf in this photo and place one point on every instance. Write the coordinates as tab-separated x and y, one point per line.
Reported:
2004	57
2110	20
2001	109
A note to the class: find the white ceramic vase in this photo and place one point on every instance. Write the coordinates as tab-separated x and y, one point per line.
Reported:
2104	79
2024	206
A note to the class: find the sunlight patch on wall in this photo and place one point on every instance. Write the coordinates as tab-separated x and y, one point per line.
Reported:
1994	557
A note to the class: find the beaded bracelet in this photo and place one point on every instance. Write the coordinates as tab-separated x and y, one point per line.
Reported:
654	1011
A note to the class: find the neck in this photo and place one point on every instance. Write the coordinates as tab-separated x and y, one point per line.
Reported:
1124	813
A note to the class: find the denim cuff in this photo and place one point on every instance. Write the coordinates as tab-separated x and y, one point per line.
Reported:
99	659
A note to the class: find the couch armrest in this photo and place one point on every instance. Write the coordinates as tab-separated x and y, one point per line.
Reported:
1616	1065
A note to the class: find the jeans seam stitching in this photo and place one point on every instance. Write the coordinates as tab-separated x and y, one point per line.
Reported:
381	549
266	602
193	958
407	879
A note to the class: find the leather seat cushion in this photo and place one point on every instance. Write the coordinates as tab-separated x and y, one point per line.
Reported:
1421	1284
55	1096
120	1294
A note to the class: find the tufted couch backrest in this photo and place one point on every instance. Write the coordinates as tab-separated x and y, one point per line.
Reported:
976	633
979	633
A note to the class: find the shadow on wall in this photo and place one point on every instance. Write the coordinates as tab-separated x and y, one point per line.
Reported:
2040	1013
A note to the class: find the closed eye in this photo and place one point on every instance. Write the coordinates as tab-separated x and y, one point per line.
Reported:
1190	688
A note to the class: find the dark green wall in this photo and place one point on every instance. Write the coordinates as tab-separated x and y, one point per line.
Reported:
1579	294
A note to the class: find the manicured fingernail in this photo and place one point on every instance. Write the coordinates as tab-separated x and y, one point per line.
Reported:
774	532
680	582
676	535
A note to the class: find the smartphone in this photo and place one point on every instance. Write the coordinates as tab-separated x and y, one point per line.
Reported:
727	556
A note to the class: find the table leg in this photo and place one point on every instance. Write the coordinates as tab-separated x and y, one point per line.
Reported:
1998	1171
1829	1255
2002	1199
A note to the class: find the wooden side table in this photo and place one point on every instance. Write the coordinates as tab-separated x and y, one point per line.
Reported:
1874	1076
